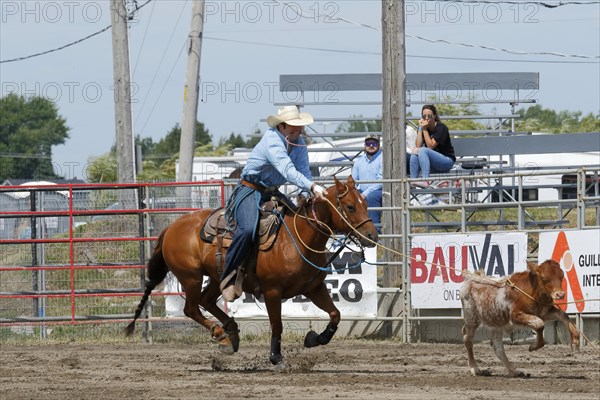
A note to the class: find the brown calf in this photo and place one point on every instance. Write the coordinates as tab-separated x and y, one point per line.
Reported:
499	306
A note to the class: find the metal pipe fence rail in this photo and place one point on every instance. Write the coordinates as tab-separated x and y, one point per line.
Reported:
77	258
77	252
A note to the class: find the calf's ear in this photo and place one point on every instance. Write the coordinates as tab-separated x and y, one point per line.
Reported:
533	267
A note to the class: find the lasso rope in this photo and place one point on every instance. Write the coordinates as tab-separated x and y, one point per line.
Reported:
310	262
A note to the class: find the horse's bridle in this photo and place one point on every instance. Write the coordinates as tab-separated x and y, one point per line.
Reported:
343	213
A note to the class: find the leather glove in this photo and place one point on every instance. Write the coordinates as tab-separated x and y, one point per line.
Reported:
319	191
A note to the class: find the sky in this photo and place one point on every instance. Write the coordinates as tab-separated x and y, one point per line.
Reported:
247	45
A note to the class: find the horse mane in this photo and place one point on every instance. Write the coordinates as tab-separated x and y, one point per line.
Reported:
303	209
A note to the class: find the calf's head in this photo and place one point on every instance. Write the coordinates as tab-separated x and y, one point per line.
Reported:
549	276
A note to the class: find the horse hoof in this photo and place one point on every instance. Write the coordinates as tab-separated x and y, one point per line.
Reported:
281	366
276	359
226	348
311	339
235	341
229	345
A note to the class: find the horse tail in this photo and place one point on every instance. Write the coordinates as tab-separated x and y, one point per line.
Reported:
157	271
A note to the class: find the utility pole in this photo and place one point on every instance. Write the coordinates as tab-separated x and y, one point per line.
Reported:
394	138
122	92
190	102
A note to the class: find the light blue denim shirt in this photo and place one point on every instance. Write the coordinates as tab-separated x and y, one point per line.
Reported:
368	170
270	164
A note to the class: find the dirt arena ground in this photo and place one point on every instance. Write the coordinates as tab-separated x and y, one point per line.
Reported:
344	369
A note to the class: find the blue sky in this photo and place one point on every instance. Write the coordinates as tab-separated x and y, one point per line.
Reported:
248	44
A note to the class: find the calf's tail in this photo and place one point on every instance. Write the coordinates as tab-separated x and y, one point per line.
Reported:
157	271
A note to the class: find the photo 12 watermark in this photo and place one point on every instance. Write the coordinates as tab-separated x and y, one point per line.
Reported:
270	92
64	12
471	12
70	92
52	12
470	91
253	12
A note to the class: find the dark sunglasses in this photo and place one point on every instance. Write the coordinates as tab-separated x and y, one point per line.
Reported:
427	116
372	143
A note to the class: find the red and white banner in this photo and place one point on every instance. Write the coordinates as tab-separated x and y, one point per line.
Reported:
578	253
437	264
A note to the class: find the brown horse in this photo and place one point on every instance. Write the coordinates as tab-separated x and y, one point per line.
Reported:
282	272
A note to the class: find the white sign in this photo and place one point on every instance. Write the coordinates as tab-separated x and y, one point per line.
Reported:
437	264
578	253
352	286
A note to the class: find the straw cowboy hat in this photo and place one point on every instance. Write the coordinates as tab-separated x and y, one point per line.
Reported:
291	116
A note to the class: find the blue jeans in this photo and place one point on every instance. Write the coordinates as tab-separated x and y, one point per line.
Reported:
428	161
243	243
374	200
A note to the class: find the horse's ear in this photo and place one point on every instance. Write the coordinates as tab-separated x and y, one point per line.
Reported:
350	181
339	185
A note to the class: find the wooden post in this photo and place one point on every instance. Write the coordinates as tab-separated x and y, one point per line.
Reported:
122	92
394	120
394	135
190	103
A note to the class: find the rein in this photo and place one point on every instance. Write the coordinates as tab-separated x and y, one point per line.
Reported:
331	258
343	243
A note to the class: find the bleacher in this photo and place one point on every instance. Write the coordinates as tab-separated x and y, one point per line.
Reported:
487	172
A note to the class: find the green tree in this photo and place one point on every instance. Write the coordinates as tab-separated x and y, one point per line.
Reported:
233	141
253	141
29	127
158	159
589	123
539	119
443	109
358	126
103	169
151	172
169	145
460	109
147	144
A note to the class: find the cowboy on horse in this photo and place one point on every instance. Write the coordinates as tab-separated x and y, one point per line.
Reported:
280	157
295	263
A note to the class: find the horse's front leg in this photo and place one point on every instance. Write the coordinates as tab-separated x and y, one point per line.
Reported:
227	335
321	298
273	303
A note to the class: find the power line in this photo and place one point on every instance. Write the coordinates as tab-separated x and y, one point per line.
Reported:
517	52
164	86
538	3
130	16
56	49
408	55
548	53
299	13
505	60
162	58
294	47
143	40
